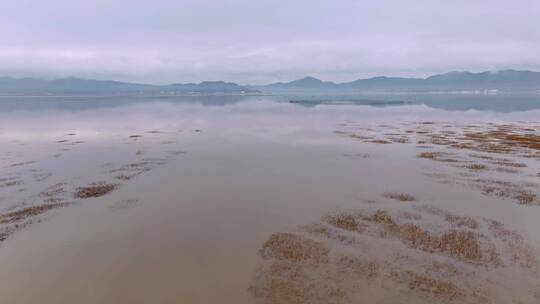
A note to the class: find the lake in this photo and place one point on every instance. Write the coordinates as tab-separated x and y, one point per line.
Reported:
257	199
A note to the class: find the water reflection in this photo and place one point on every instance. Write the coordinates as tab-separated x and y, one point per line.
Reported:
452	102
194	191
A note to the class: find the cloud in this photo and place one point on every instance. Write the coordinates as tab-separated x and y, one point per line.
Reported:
263	41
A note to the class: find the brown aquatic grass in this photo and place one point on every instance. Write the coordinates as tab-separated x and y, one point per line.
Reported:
444	269
295	248
22	214
360	266
399	140
286	282
480	156
380	141
21	164
462	244
495	191
400	196
521	253
356	136
525	197
297	274
438	156
7	231
10	183
429	155
54	190
426	284
409	216
494	139
476	167
531	141
507	170
505	189
503	139
441	139
459	221
462	221
292	271
324	231
95	190
132	170
509	163
344	221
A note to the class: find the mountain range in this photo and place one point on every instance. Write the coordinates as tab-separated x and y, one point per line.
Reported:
506	80
73	85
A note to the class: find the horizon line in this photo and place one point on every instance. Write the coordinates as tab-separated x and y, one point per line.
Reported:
253	85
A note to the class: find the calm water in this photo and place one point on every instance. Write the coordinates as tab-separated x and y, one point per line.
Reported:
220	175
451	102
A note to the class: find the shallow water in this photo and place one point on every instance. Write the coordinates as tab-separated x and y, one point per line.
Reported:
202	185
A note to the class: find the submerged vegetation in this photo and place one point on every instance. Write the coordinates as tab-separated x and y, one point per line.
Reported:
485	143
399	196
96	189
49	196
411	252
429	255
401	246
22	214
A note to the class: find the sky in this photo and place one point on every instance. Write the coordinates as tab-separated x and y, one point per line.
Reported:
263	41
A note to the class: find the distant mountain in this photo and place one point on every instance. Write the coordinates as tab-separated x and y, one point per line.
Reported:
89	86
507	80
66	85
383	82
209	86
306	82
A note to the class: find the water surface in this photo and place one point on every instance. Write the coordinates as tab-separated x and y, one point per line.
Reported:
203	182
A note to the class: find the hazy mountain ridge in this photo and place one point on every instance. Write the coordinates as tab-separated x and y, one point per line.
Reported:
500	80
305	82
74	85
506	80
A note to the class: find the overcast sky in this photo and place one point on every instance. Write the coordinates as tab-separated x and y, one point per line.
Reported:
262	41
